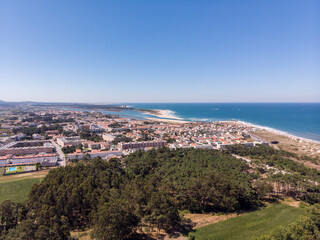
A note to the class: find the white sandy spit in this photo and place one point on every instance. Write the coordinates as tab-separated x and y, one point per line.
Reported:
163	113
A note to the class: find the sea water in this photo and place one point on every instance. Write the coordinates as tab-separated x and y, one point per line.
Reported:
299	119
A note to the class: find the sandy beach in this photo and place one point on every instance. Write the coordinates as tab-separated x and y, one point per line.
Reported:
162	113
289	142
286	141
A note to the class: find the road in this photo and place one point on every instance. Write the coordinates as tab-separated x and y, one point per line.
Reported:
60	153
243	158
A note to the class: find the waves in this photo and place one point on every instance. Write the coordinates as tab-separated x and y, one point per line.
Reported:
171	114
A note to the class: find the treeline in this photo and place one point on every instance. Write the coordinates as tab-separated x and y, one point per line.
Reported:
29	131
119	200
46	118
147	190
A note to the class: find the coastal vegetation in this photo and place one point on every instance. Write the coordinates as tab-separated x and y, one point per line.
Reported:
146	191
307	151
290	178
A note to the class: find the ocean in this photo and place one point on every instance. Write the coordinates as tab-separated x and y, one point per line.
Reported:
299	119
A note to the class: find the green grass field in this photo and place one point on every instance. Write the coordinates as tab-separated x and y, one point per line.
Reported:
250	225
17	190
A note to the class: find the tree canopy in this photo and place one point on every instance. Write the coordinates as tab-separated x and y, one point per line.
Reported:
144	189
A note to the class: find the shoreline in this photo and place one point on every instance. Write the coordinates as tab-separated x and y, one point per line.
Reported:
279	132
169	114
166	115
308	151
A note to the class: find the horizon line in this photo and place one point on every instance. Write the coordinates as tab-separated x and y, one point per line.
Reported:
118	102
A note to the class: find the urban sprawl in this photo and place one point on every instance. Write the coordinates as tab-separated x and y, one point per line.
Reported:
35	138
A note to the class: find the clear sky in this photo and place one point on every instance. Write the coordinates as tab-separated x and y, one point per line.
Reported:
160	51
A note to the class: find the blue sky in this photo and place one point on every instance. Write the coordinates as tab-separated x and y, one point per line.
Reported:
160	51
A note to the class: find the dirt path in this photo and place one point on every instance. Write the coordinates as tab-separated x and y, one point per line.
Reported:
201	220
291	202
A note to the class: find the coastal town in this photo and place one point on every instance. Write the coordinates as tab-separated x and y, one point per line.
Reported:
52	137
160	120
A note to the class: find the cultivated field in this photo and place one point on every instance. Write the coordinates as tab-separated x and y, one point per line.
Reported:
250	225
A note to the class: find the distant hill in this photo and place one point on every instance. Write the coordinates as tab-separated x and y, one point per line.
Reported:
12	104
87	106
